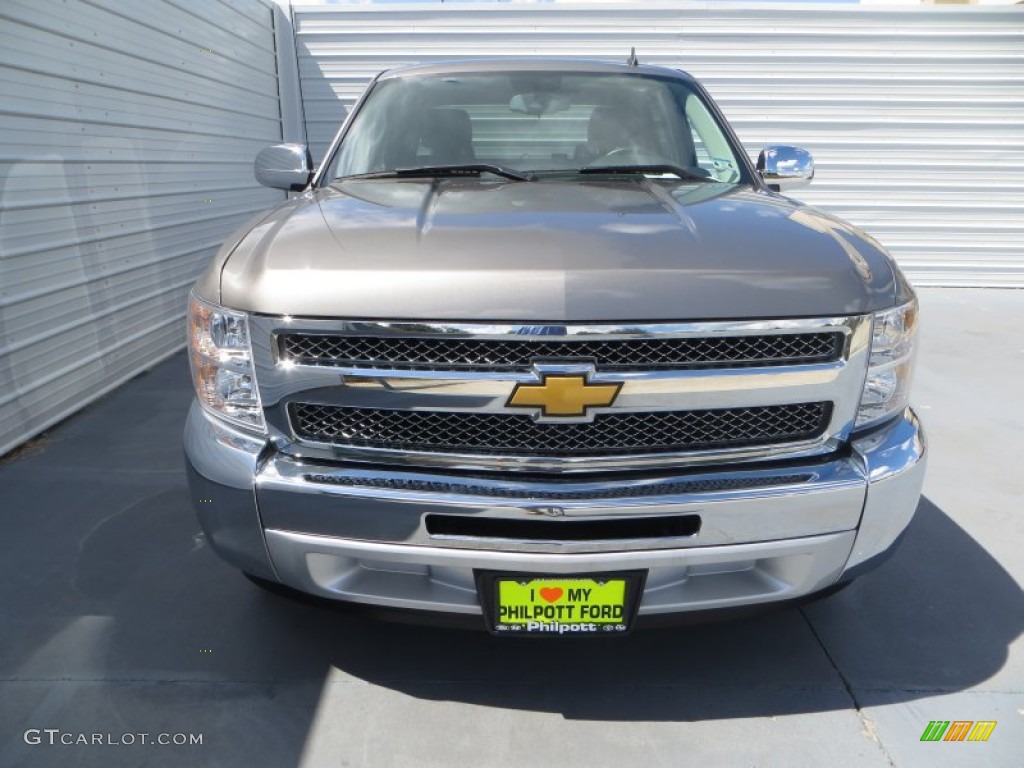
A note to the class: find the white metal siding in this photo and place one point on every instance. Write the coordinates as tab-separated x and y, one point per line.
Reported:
915	116
127	134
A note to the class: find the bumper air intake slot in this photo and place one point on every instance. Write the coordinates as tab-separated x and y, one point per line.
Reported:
465	526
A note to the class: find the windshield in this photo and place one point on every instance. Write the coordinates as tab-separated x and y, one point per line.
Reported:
536	123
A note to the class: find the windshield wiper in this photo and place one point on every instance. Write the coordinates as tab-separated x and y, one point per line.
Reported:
429	171
652	169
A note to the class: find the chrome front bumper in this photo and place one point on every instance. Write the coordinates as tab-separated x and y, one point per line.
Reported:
767	533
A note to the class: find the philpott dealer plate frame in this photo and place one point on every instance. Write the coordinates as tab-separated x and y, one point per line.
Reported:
558	607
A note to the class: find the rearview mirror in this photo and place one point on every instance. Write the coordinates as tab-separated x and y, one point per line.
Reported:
284	166
785	167
538	103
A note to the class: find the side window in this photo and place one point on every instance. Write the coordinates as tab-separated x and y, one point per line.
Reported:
713	153
701	151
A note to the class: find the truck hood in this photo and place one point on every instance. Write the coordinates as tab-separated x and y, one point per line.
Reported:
590	250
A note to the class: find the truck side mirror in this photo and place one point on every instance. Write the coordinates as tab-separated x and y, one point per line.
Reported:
284	166
785	167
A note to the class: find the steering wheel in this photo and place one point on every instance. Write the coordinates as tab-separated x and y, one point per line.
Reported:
618	152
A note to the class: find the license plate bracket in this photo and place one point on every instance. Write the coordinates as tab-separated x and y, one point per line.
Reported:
560	605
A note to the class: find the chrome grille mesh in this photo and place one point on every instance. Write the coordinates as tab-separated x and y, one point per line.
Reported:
511	435
638	354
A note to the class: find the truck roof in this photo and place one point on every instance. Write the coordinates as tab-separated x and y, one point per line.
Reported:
532	64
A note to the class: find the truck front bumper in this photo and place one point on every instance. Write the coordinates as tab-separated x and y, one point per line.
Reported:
767	533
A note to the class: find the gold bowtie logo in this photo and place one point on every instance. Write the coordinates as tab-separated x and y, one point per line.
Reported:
563	395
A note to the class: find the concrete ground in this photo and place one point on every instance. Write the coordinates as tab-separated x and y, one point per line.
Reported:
116	619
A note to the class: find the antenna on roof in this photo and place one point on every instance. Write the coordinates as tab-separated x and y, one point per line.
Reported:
632	60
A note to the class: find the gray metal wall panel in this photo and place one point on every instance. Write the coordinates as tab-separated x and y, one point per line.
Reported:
127	134
915	115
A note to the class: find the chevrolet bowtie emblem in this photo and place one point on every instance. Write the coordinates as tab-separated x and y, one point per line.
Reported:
563	395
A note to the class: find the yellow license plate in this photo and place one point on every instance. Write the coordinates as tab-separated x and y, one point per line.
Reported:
571	605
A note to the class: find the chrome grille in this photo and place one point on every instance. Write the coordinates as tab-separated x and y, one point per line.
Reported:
636	354
645	432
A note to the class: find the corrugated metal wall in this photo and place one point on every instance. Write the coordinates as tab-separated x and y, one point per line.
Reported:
915	116
127	134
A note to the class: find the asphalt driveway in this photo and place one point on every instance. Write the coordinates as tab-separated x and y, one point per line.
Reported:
116	620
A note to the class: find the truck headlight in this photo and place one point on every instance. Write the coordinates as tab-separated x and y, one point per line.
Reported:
887	386
220	354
